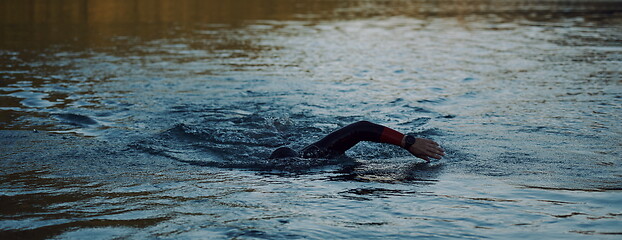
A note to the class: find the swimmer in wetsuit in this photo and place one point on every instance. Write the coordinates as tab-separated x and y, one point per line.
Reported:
345	138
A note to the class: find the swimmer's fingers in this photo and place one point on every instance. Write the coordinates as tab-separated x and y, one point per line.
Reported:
433	155
432	149
437	150
426	158
428	153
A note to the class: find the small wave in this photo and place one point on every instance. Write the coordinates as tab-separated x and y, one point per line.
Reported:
432	101
574	189
417	121
76	119
418	109
234	137
33	99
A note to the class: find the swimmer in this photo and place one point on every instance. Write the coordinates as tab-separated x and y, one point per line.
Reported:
337	142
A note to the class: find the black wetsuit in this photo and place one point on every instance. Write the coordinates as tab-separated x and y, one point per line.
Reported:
337	142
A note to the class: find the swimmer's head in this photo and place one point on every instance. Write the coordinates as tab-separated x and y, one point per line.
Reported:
284	152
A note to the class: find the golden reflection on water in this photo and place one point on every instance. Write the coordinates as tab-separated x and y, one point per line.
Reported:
212	11
40	23
156	11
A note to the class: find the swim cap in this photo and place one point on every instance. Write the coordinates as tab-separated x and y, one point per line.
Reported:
283	152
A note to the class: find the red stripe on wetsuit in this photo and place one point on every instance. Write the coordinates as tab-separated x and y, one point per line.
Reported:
391	136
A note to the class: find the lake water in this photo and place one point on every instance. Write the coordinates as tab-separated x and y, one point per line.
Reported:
154	119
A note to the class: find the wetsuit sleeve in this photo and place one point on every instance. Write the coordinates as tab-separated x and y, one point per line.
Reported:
345	138
391	136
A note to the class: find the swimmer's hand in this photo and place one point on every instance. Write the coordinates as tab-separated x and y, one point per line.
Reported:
426	149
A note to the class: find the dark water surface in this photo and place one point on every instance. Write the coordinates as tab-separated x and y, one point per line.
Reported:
154	119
